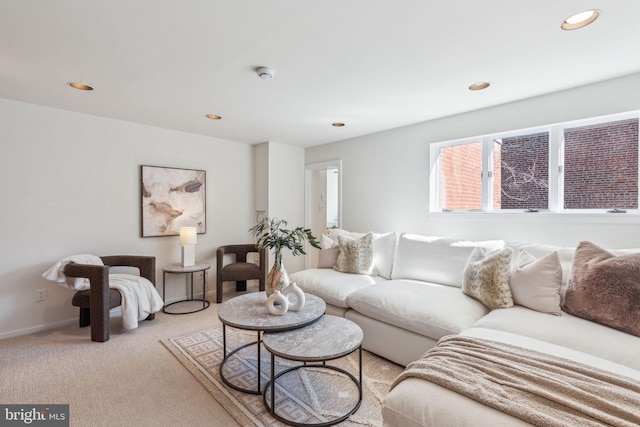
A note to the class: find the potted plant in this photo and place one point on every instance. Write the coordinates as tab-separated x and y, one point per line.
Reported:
273	234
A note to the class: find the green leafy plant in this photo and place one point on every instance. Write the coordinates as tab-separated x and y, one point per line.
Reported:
273	234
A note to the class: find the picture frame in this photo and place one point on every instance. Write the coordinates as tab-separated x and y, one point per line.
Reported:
171	198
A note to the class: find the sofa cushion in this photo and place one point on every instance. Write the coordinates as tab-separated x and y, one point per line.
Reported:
384	251
435	259
486	277
535	282
428	309
356	254
430	259
568	331
605	288
417	403
330	285
565	254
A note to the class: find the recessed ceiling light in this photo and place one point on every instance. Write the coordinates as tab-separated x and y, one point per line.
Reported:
479	86
81	86
213	116
580	20
337	124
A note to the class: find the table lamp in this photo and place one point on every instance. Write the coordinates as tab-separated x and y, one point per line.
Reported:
188	241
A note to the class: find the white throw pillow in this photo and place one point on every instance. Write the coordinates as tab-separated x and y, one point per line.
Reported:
327	258
535	282
486	278
337	232
328	253
356	255
430	259
488	245
326	242
384	250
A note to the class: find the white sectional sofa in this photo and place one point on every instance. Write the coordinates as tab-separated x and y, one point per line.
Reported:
413	297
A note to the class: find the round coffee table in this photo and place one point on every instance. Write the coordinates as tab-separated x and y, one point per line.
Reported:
249	312
329	338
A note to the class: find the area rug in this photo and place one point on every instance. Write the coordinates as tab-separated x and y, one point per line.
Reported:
307	395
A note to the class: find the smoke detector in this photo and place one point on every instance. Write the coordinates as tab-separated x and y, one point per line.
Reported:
265	73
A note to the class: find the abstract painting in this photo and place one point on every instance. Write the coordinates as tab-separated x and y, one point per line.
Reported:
172	198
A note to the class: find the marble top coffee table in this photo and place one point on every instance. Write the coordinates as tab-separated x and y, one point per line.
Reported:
249	312
329	338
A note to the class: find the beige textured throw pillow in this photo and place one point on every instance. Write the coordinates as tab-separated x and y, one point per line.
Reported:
605	288
535	282
486	278
356	254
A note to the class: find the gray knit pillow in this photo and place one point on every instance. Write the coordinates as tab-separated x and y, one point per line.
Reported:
486	277
356	254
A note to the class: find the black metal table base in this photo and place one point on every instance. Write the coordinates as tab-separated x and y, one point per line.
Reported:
205	305
205	302
269	388
226	358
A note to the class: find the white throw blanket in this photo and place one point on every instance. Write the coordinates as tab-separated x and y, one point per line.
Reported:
139	297
56	272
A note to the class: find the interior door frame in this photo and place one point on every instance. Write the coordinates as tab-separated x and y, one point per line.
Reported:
308	169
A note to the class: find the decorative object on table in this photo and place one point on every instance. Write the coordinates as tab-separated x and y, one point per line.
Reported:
272	234
171	198
188	241
277	304
294	289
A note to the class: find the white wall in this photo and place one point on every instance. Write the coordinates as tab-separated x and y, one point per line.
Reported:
280	189
385	175
70	183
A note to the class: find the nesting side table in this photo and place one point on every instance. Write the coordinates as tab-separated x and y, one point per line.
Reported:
249	312
329	338
178	269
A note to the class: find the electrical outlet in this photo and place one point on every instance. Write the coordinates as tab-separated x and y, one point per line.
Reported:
41	295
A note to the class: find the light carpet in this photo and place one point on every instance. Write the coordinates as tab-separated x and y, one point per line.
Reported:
306	395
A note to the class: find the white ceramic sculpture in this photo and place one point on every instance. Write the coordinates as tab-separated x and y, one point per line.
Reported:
277	304
293	289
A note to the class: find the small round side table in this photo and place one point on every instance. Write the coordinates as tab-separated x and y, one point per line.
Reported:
178	269
329	338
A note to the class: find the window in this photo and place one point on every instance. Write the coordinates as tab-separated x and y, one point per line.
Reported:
460	177
524	172
583	165
601	166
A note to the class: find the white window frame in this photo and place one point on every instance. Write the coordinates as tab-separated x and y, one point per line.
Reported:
555	166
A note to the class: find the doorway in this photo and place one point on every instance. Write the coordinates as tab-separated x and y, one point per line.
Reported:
323	204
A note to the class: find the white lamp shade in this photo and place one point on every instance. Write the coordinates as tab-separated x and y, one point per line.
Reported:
188	236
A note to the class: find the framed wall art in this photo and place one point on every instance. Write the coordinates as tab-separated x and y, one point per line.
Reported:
172	198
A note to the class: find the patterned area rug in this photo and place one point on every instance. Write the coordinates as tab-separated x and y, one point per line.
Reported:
307	395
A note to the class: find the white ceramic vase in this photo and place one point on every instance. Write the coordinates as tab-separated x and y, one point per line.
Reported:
293	290
277	304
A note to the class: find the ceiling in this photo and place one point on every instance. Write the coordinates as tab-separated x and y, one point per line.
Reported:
372	64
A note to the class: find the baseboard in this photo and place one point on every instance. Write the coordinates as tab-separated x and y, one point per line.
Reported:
39	328
114	312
